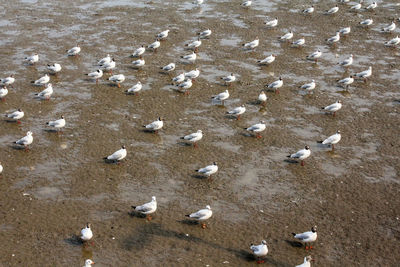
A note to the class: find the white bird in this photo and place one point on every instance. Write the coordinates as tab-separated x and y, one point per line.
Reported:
237	111
272	23
209	170
8	81
1	168
308	10
197	2
193	74
86	233
3	93
373	5
118	79
104	60
334	38
155	125
356	6
88	263
194	44
16	115
179	78
186	84
393	42
169	67
333	107
140	51
201	215
307	237
344	1
306	263
194	137
57	124
262	98
162	35
346	81
315	56
347	62
253	44
257	128
221	96
42	80
138	63
308	86
109	66
367	22
191	57
229	79
260	250
26	140
301	154
96	75
286	36
299	42
333	10
54	68
345	30
364	74
246	3
332	140
32	59
117	156
156	44
46	93
276	85
204	34
267	60
74	51
135	89
391	27
147	208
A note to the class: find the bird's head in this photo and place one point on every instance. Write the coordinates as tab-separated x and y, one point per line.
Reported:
264	242
208	207
153	198
314	229
307	147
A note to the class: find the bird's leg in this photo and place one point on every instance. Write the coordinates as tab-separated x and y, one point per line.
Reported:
18	121
203	225
119	86
111	72
26	148
258	136
97	81
259	260
238	117
3	99
277	91
195	145
306	246
311	247
302	163
333	147
334	114
148	217
156	131
196	49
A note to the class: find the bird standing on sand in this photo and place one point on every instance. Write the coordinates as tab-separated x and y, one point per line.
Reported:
194	137
306	263
155	125
229	79
32	59
117	156
209	170
333	107
262	98
16	115
332	140
86	233
96	75
307	237
221	96
301	154
201	215
88	263
140	51
147	208
276	85
55	68
3	93
135	89
237	111
25	141
118	79
57	124
74	51
252	45
260	251
257	128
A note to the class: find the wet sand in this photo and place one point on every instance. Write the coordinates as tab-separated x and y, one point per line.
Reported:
50	192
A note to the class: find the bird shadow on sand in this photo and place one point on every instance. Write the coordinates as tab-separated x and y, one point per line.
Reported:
291	161
253	102
200	177
184	144
17	147
294	244
74	240
51	131
188	222
135	214
10	121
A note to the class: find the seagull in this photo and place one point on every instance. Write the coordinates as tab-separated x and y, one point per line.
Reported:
26	140
42	80
169	67
221	96
209	170
307	237
333	107
260	250
333	39
118	78
356	6
267	60
162	35
315	56
204	34
86	233
194	44
191	57
246	3
147	208
393	42
347	62
229	79
345	30
333	10
138	52
257	128
308	10
8	81
178	79
346	81
286	36
96	75
1	169
138	63
156	44
299	42
332	140
155	125
74	51
201	215
194	137
54	68
198	2
32	59
276	85
306	262
46	93
135	89
301	154
88	263
108	66
57	124
308	86
272	23
117	156
251	45
366	22
3	93
237	111
185	85
373	5
364	74
193	74
391	27
262	98
16	115
104	60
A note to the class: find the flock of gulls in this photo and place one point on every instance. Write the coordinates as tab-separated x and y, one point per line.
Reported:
184	81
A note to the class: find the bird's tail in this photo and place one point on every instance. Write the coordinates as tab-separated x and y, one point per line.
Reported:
32	81
188	215
258	61
322	107
319	142
133	207
293	234
86	73
47	123
196	170
181	56
182	137
186	44
288	156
